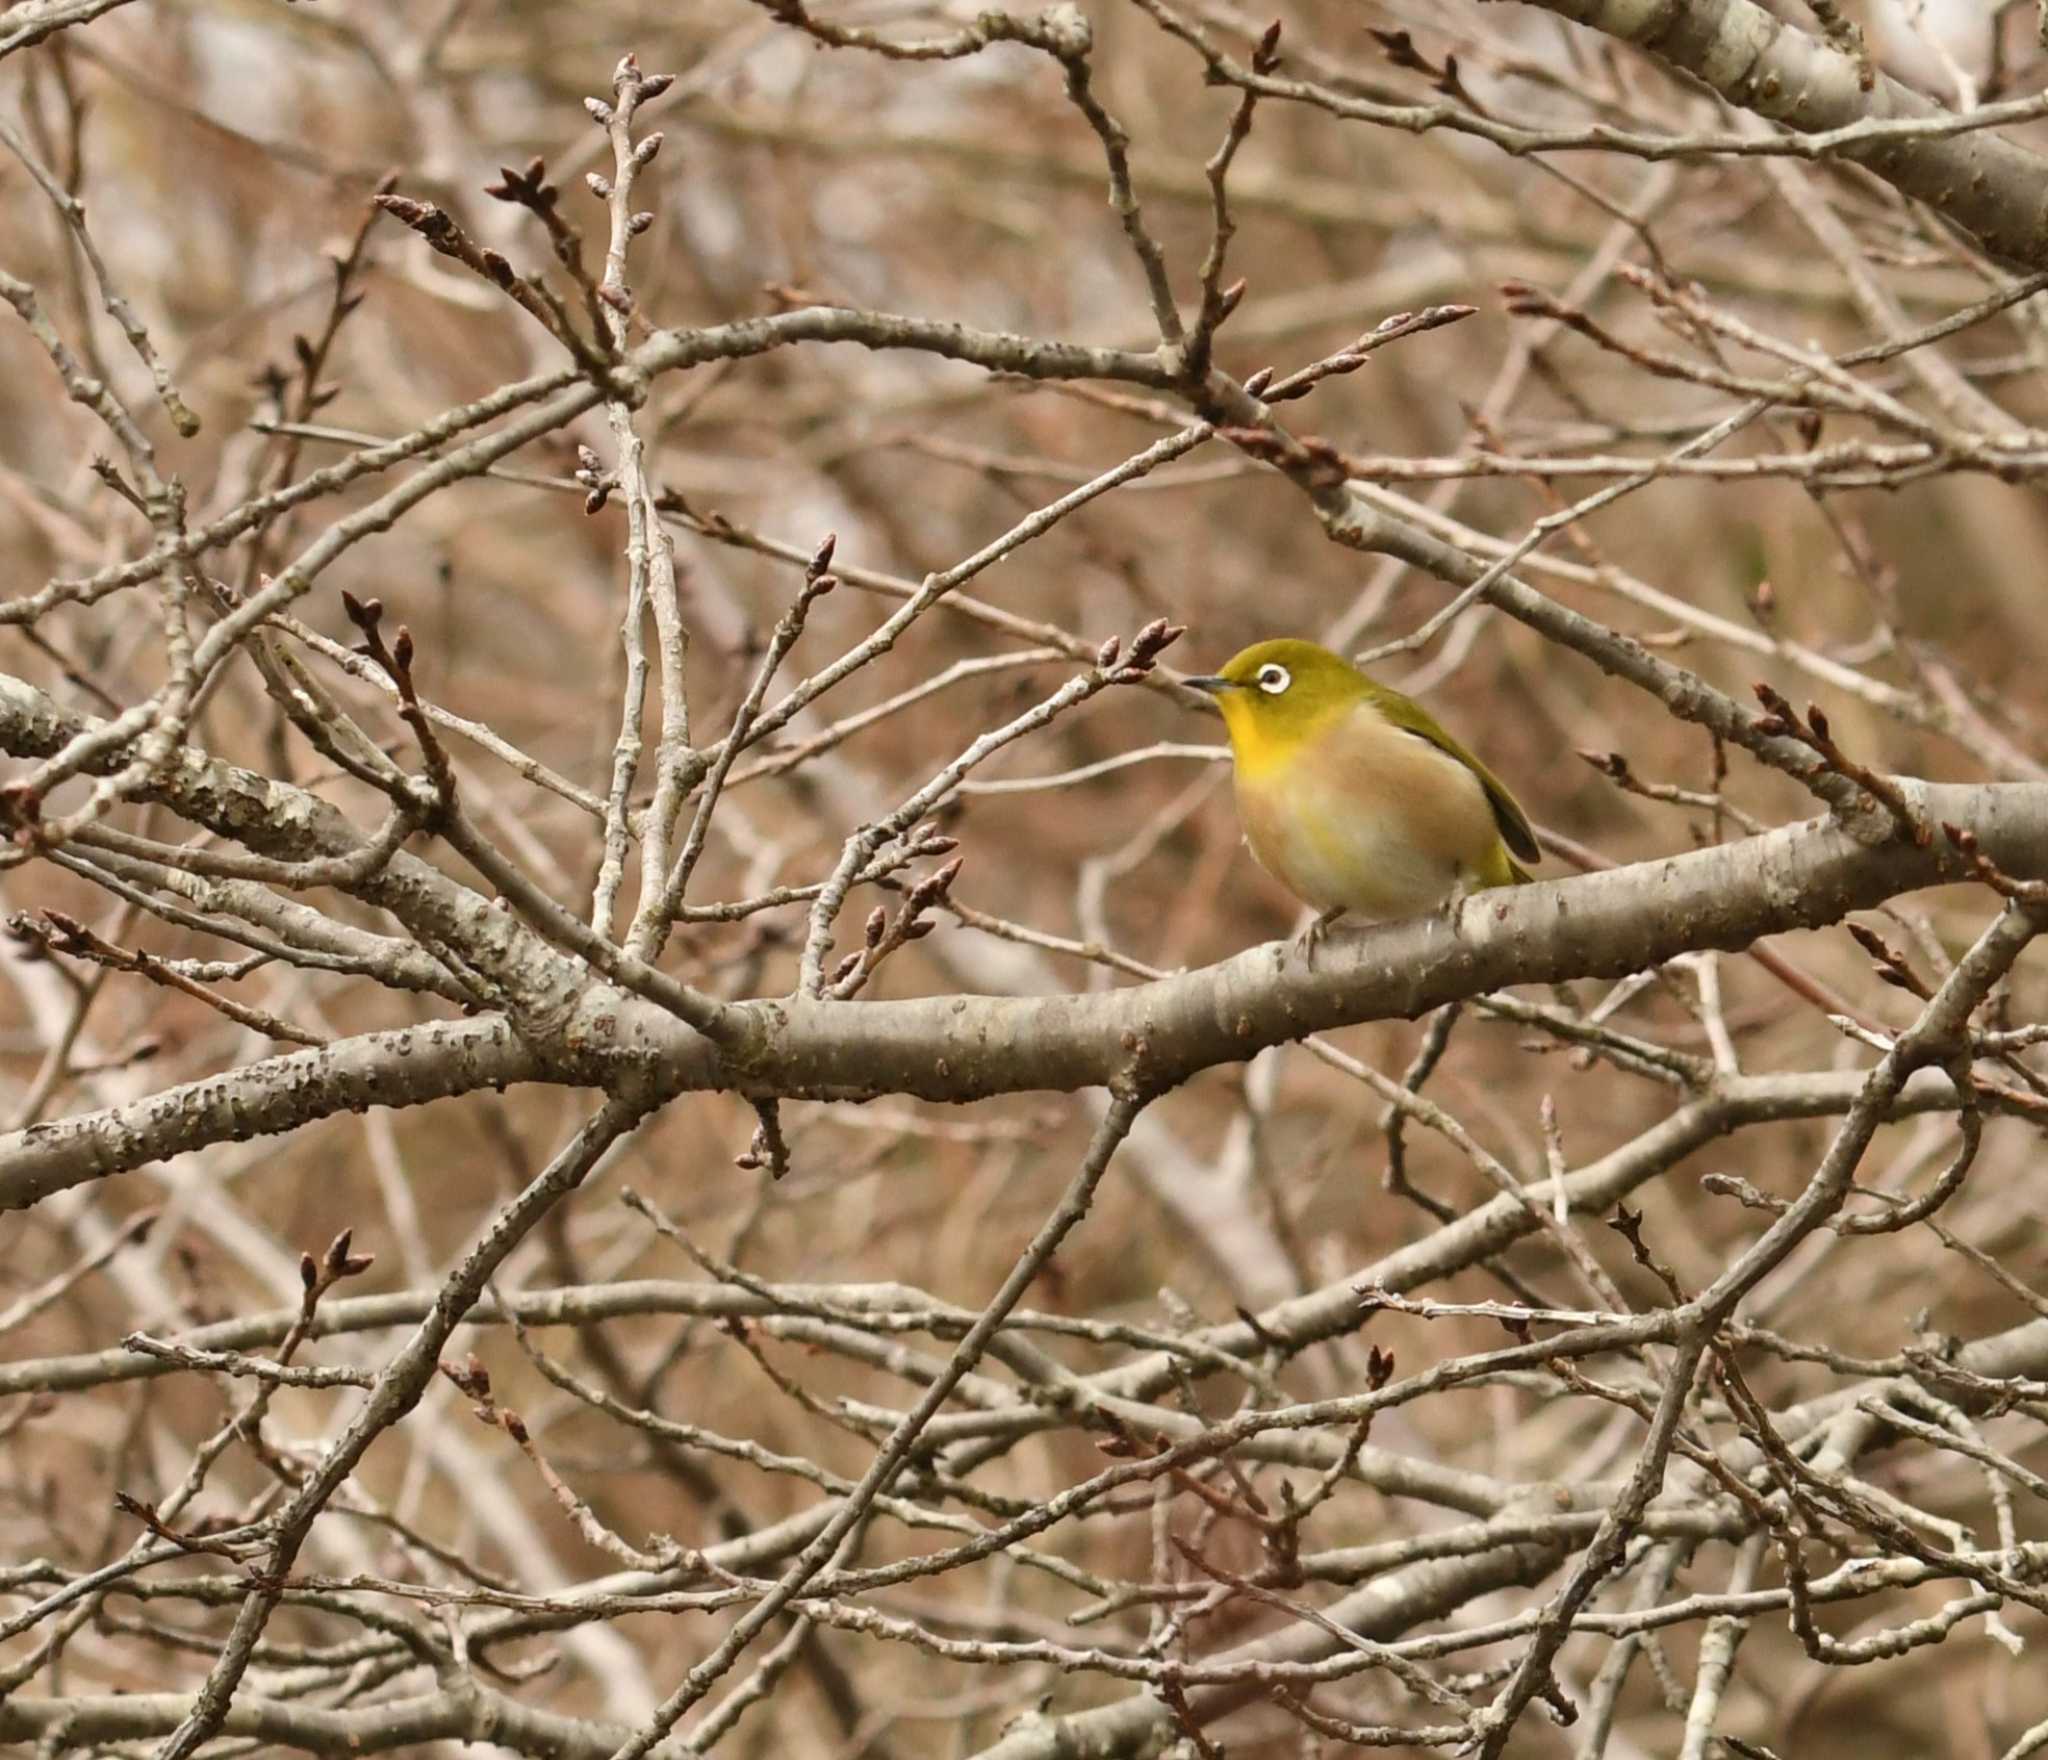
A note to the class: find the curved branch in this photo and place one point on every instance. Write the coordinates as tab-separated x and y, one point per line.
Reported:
1606	925
1982	181
960	1048
27	25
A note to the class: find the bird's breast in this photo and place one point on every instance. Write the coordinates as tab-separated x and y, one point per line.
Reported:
1365	818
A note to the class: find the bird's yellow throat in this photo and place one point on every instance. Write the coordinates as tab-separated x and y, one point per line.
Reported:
1261	743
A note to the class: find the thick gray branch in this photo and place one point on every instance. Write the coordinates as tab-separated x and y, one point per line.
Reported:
959	1048
1597	925
1985	183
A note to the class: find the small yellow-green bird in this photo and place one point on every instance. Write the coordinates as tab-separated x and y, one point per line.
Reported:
1352	797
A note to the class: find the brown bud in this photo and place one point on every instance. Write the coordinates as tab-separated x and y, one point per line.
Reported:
403	208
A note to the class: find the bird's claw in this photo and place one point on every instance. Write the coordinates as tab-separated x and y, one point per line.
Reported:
1314	935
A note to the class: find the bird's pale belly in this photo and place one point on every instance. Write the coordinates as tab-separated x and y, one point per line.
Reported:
1393	833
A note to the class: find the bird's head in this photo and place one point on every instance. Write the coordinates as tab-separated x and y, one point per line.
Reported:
1275	693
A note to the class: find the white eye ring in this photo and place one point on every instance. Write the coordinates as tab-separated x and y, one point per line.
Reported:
1274	679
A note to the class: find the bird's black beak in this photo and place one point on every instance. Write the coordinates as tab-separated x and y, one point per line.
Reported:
1213	685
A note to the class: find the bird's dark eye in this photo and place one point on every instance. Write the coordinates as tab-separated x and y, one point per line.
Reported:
1274	679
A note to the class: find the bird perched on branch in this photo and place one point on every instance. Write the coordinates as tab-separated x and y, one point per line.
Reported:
1352	797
